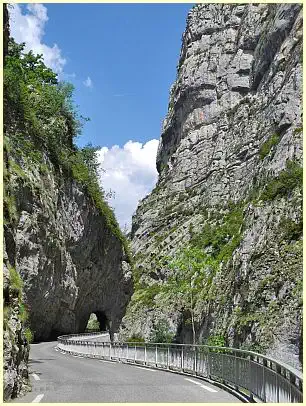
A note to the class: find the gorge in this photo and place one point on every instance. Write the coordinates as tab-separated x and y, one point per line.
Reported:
229	191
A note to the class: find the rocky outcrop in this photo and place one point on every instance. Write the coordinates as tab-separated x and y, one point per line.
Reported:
230	153
70	261
15	343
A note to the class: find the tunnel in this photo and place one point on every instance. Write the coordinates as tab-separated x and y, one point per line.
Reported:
97	320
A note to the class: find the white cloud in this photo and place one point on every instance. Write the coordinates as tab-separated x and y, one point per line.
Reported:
29	28
88	82
131	173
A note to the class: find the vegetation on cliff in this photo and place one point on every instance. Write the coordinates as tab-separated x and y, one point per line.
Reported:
41	122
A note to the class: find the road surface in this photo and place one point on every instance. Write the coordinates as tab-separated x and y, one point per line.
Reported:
57	377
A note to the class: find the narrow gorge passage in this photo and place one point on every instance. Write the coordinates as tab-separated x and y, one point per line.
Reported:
170	221
64	378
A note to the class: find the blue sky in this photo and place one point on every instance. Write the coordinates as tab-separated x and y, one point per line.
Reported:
130	52
122	61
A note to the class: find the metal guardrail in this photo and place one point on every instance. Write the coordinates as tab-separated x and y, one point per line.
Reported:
85	335
252	375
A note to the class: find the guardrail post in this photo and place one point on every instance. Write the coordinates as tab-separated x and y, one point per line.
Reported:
278	372
156	355
182	359
195	360
135	355
208	364
264	363
292	384
145	354
168	357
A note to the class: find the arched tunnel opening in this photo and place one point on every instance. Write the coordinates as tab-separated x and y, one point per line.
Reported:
97	322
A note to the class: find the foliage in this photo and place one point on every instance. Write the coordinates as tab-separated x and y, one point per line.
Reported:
28	335
284	183
135	339
189	274
291	229
40	119
93	323
23	313
90	158
15	281
298	130
267	146
145	294
216	340
6	316
35	99
222	239
161	333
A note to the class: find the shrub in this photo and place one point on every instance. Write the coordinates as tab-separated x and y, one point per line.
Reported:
28	335
286	182
291	229
23	313
267	146
135	339
16	281
216	340
161	333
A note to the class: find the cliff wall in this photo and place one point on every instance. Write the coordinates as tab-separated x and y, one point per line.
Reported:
64	254
230	182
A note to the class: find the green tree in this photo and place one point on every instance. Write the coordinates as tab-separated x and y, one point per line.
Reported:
90	158
189	275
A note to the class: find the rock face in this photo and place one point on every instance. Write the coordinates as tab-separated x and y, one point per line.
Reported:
15	345
232	140
71	263
65	257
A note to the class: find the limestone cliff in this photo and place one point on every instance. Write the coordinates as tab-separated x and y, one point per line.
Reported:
70	261
64	254
230	181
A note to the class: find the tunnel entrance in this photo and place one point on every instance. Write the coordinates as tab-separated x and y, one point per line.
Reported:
97	322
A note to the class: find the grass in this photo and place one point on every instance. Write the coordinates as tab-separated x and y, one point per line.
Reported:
15	281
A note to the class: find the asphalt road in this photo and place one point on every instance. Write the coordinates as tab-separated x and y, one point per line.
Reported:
57	377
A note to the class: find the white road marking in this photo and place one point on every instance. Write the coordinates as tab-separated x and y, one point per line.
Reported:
202	386
110	362
146	369
36	377
38	398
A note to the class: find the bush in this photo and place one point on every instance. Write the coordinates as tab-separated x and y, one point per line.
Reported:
135	339
216	340
267	146
16	281
286	182
291	229
161	333
28	335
